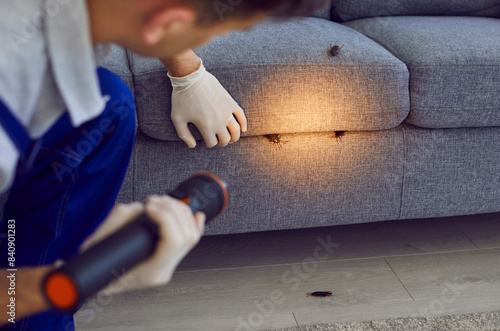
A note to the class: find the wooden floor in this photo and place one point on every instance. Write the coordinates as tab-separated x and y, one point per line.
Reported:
259	281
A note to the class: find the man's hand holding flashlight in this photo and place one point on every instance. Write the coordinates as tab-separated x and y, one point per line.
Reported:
180	231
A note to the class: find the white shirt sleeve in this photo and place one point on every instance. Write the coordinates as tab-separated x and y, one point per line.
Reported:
8	161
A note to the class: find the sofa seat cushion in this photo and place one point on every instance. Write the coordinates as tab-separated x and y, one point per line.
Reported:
450	172
454	66
282	75
348	10
312	181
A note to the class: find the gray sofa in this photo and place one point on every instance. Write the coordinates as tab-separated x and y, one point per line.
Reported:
416	88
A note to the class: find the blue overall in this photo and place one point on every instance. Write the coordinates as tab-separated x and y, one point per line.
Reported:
65	185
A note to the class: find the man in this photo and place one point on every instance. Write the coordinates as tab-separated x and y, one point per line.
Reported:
67	130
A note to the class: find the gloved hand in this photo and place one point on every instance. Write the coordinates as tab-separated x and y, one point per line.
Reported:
180	231
200	99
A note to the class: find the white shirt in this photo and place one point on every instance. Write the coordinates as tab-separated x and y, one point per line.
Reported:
47	65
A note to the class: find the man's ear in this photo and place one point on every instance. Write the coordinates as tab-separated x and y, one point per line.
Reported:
165	21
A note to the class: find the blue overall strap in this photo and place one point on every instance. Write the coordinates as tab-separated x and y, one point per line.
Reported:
27	148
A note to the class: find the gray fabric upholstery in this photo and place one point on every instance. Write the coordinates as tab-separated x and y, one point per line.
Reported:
312	181
402	173
323	14
117	62
454	66
285	80
348	10
451	172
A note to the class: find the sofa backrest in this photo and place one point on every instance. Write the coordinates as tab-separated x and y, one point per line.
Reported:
348	10
325	13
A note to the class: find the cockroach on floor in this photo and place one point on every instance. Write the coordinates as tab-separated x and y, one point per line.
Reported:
338	135
335	50
319	294
276	138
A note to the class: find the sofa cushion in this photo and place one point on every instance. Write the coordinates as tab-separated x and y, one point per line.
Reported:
312	181
348	10
454	66
450	172
282	75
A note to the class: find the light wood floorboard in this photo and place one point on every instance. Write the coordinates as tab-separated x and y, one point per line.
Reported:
250	293
354	241
466	273
426	308
278	321
259	281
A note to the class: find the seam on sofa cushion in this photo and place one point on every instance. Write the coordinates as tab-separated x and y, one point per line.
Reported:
454	107
404	172
129	63
267	65
418	66
134	174
137	129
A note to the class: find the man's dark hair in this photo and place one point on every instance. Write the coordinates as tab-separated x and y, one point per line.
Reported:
213	11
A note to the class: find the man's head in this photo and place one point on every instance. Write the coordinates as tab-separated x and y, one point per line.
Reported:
162	28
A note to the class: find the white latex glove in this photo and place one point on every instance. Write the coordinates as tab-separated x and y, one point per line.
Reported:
200	99
180	231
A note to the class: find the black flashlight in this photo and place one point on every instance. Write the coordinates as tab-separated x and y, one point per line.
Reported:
68	286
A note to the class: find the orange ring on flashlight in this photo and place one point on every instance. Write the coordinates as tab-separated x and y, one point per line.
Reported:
186	201
61	291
